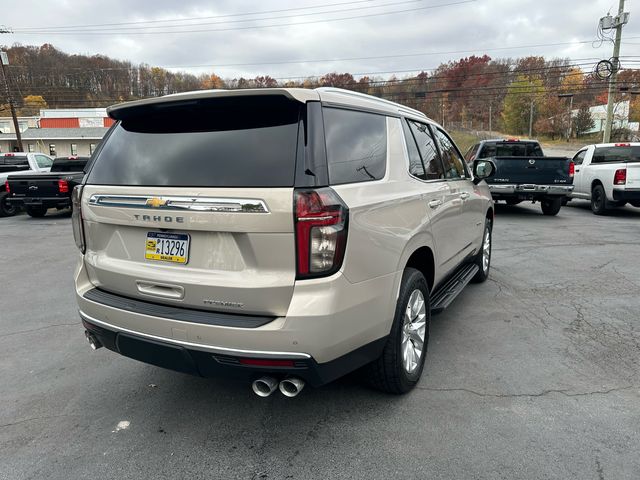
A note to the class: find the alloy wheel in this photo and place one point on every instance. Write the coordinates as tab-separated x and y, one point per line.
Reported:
414	331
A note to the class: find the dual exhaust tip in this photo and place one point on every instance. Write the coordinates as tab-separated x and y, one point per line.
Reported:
289	387
263	386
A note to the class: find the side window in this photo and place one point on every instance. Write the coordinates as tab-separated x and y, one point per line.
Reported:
356	145
453	163
428	151
470	156
579	157
415	162
43	162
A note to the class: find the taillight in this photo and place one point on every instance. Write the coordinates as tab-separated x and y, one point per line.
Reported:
63	186
321	220
6	187
76	217
620	177
572	169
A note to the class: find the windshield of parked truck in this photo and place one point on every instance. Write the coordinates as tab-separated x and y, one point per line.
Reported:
511	149
617	154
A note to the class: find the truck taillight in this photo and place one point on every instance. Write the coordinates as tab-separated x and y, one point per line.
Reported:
6	187
321	219
572	169
63	186
620	177
76	217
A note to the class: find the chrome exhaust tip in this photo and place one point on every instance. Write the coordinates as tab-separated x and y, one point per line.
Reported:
291	387
264	386
94	343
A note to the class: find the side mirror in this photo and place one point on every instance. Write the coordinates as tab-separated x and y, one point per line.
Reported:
483	169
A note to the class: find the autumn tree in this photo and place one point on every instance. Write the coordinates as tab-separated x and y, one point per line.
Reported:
211	82
31	105
520	99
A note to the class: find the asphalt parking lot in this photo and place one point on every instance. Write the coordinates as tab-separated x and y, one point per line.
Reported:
534	374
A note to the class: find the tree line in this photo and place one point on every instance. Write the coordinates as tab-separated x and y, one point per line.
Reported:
478	92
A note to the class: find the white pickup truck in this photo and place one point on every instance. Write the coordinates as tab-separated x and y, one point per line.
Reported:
19	163
608	174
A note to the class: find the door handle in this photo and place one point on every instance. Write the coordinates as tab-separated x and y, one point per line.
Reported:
175	292
465	195
435	203
577	170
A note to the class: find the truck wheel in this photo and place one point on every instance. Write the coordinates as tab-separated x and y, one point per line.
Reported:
399	367
6	209
598	200
483	259
551	206
36	212
513	201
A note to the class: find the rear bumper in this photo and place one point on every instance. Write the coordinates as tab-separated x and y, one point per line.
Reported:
626	195
47	202
331	326
525	190
196	360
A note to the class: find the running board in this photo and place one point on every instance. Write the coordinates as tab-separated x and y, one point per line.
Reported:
442	297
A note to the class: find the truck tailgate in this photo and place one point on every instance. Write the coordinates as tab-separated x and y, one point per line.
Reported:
36	185
532	170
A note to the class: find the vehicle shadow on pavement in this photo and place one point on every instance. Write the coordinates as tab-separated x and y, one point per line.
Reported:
619	212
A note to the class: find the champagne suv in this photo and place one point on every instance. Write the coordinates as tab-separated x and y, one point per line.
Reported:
277	235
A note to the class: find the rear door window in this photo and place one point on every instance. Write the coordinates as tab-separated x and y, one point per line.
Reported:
579	157
415	162
43	161
451	158
619	154
356	145
428	150
215	142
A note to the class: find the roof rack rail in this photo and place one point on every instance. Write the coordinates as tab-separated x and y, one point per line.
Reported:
399	106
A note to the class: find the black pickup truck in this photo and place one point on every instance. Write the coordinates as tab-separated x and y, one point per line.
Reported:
38	192
524	173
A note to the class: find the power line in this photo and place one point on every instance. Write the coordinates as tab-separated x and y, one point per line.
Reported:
120	29
255	27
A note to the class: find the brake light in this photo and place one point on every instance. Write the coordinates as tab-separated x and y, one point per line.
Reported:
513	140
63	186
76	217
6	187
572	169
9	155
620	177
321	232
622	144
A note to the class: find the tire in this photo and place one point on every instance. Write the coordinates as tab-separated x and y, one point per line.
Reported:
36	212
395	371
551	206
513	201
485	249
6	209
635	204
598	200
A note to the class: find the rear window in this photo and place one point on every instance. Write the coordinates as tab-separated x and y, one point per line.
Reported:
356	145
13	160
223	142
511	149
616	154
69	165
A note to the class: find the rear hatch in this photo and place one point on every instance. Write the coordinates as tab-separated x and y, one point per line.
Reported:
191	204
532	170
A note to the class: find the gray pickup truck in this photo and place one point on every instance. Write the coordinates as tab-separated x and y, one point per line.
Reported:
524	173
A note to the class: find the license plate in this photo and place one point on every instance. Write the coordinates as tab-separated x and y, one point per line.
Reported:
167	247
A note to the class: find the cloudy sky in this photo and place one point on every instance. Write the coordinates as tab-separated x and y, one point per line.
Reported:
284	38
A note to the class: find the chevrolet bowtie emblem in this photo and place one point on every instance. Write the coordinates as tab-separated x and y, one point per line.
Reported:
156	202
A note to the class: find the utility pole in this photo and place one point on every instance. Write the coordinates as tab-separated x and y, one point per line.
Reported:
619	21
570	97
4	60
490	129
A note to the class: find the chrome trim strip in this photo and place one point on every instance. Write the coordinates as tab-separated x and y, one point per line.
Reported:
199	346
198	204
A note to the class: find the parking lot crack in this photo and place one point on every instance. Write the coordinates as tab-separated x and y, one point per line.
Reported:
543	393
32	419
20	332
